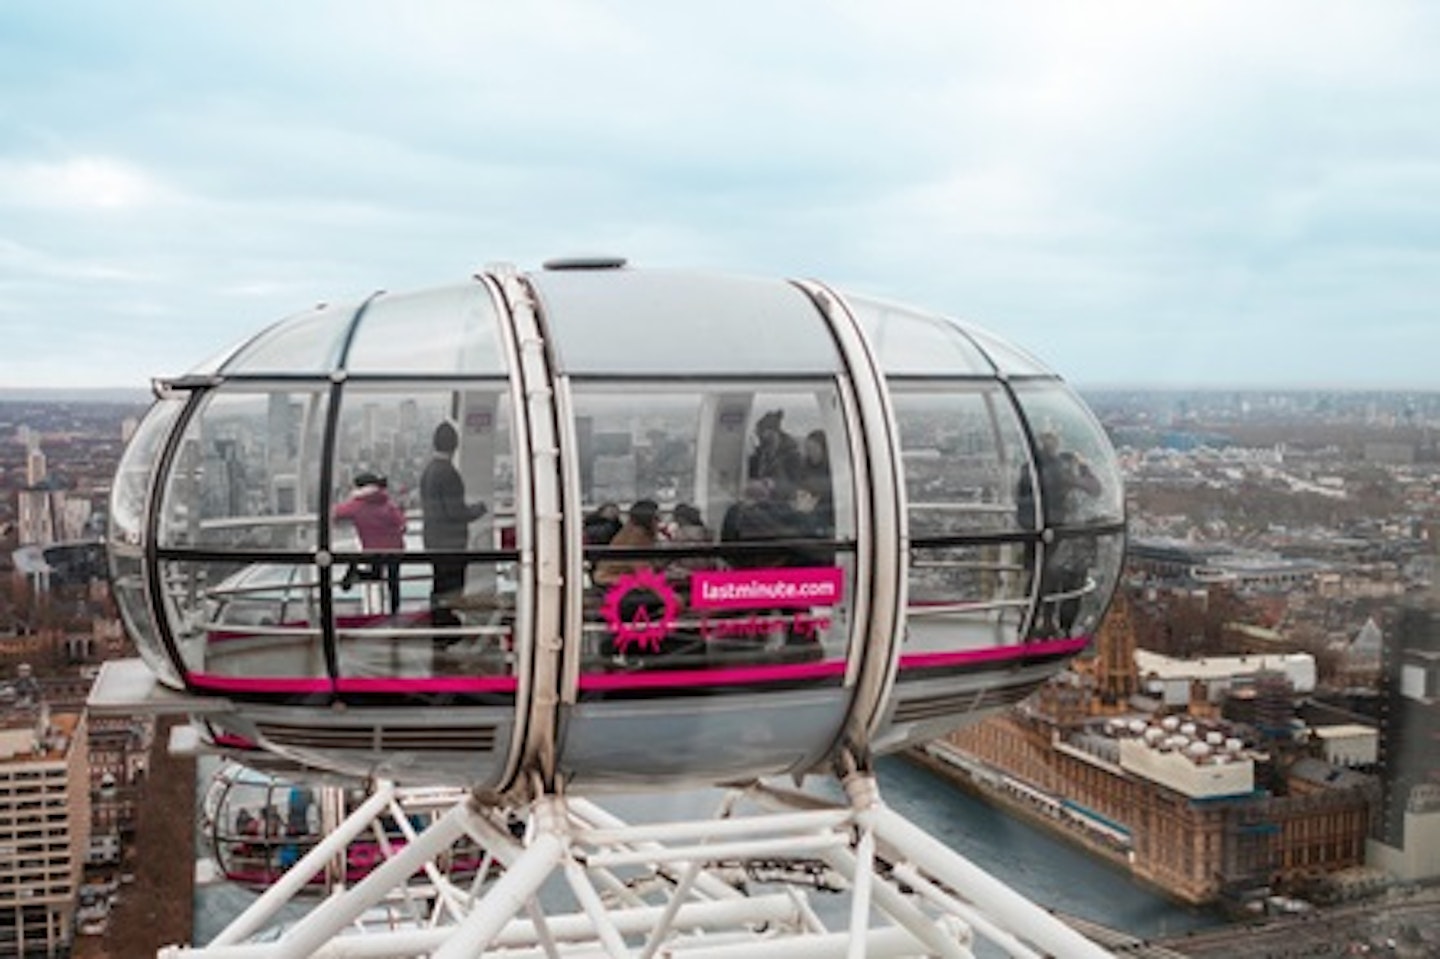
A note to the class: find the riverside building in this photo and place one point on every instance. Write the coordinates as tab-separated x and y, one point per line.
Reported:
1208	809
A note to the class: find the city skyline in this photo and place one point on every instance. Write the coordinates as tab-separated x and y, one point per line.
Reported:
1315	575
1212	195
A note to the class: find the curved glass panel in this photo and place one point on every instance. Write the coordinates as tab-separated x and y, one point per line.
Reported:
127	530
377	641
1080	481
397	492
966	598
127	581
618	321
706	545
304	343
450	330
260	826
915	343
137	467
247	472
965	463
239	625
211	366
1009	359
1080	574
964	458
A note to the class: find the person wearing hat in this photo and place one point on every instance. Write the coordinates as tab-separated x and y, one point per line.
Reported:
447	519
380	525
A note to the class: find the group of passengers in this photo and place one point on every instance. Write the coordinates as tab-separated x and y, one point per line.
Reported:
788	493
642	529
791	469
787	496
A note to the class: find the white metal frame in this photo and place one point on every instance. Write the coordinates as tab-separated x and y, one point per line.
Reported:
583	883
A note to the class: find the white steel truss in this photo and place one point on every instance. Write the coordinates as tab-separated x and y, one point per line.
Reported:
774	872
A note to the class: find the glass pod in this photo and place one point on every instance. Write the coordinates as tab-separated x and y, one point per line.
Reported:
608	527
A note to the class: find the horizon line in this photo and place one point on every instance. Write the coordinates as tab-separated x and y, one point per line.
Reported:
11	393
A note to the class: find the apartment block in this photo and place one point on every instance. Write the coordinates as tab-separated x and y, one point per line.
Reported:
44	827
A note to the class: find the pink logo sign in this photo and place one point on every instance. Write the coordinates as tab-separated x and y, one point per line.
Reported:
630	610
766	588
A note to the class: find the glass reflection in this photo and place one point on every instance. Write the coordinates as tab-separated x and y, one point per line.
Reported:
246	473
251	621
137	469
305	343
127	573
1079	576
909	342
1079	476
964	460
452	330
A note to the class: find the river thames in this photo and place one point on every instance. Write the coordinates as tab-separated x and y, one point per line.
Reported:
1044	868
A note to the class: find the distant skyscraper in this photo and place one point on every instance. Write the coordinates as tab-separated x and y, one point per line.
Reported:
35	473
36	508
372	425
409	428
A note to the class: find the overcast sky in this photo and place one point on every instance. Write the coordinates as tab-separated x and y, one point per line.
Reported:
1152	193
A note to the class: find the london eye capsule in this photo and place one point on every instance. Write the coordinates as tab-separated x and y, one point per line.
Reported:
596	526
256	826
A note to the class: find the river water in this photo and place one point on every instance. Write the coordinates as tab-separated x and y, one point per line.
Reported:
1045	869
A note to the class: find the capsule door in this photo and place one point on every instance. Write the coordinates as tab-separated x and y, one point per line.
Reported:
714	556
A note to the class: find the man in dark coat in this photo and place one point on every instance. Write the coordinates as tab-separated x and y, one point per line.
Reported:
447	518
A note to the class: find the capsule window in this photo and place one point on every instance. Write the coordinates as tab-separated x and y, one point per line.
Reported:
718	525
418	477
964	460
246	473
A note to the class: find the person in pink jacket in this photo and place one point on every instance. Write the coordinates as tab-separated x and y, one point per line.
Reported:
380	524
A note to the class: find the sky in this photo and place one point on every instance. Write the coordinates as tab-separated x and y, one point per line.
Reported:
1150	194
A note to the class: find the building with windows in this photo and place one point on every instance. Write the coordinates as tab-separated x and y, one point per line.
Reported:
1187	797
1408	839
44	826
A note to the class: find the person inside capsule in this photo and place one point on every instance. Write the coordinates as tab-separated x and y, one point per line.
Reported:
380	525
447	527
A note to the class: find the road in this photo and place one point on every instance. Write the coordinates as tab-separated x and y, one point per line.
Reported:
1402	924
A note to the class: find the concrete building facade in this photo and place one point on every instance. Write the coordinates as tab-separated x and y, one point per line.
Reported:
44	828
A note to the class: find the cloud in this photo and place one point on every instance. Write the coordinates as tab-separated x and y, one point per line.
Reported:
1126	187
78	183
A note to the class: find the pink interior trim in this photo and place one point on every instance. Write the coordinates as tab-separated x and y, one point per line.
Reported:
232	741
785	672
430	684
260	878
712	677
1048	647
263	684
